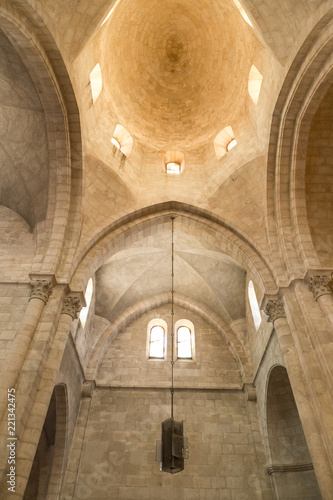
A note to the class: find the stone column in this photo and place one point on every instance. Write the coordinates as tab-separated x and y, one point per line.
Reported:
29	439
321	460
41	290
322	288
73	486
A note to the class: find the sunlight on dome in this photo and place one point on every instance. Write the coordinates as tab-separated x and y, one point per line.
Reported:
110	13
243	13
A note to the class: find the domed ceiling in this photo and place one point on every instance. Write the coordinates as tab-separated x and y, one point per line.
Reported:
171	66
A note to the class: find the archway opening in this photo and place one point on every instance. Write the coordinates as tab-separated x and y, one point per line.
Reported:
291	467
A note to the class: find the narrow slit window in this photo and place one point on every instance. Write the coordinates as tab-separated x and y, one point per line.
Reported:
184	343
96	82
156	342
254	305
88	295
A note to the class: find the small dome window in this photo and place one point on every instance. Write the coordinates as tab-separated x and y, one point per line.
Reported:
87	296
115	143
173	162
224	142
96	82
122	140
254	305
173	168
254	85
231	144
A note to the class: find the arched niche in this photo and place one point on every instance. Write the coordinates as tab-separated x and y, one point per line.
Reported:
294	145
47	468
291	469
319	179
41	157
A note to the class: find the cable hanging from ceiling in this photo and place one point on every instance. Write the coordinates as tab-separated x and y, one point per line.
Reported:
173	447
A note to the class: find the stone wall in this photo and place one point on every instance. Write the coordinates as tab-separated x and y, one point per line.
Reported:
118	456
13	303
125	362
114	446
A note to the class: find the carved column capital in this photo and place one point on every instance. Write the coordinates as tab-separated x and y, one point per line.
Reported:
320	285
71	306
274	310
41	289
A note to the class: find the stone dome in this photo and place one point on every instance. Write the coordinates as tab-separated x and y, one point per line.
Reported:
169	79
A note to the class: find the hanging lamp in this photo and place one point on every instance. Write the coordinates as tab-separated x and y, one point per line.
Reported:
173	447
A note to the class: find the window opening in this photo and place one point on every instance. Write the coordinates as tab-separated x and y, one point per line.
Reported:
122	140
254	84
156	342
96	82
115	142
184	344
224	141
231	144
173	168
254	305
87	297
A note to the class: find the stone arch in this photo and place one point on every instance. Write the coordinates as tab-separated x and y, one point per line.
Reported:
36	47
290	467
153	219
109	334
47	469
306	83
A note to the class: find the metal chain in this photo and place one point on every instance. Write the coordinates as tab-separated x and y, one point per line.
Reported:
172	311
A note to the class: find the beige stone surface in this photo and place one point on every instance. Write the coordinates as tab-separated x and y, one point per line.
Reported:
174	78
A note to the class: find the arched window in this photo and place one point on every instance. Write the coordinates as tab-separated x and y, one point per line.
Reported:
87	296
156	339
122	140
254	84
184	349
96	82
184	339
254	305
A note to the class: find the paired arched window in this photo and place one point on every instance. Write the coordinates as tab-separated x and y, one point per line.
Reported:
254	305
184	348
183	339
157	329
184	331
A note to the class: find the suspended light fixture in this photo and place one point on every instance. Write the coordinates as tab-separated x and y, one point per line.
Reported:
173	447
